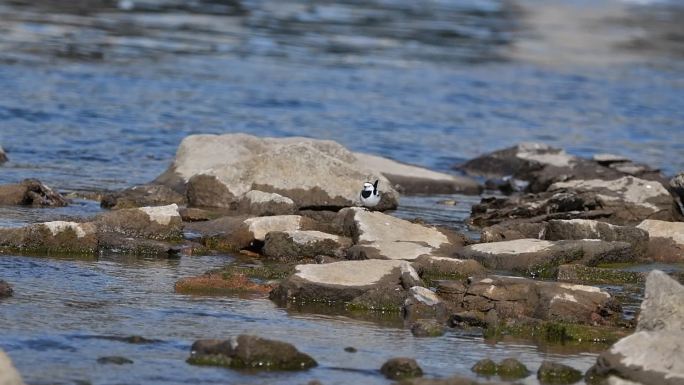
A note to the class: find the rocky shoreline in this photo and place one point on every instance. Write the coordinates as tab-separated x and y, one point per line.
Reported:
556	226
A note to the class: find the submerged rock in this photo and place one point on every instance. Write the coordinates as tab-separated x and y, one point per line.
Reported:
221	169
537	257
220	283
369	284
8	373
31	192
115	360
400	368
655	353
417	180
427	328
250	352
557	374
380	236
5	289
143	195
666	240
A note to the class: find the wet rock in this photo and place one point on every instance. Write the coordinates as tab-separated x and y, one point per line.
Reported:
427	328
228	233
369	284
57	236
444	267
511	230
8	373
540	258
663	306
193	214
117	243
677	186
141	196
220	282
31	192
627	200
400	368
512	369
655	353
250	352
417	180
130	339
597	276
295	245
666	240
159	223
518	298
3	155
114	360
380	236
424	303
485	367
260	203
454	380
555	373
350	349
5	289
220	169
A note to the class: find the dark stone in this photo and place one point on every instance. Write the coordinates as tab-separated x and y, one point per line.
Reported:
5	289
427	328
350	349
557	374
114	360
31	192
512	369
400	368
484	367
143	195
250	352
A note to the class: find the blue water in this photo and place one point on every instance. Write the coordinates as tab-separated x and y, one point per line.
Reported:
99	98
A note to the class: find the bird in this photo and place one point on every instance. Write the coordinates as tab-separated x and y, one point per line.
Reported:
370	196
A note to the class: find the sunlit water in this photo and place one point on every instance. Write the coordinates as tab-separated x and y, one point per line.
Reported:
99	98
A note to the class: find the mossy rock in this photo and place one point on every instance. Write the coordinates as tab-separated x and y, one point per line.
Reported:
558	333
557	374
427	328
512	369
484	367
401	368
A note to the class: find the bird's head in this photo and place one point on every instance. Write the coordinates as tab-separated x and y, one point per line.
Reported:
367	186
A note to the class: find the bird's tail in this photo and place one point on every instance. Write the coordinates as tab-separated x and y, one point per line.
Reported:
375	186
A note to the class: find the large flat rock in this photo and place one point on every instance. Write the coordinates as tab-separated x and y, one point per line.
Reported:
299	244
538	257
380	236
417	180
56	236
666	240
663	306
220	169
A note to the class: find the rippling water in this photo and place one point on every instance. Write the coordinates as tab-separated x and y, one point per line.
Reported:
97	94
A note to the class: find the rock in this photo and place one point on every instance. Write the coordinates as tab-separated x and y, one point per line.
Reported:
140	196
298	244
350	349
5	289
677	186
160	222
220	169
424	303
417	180
519	298
427	328
485	367
630	199
115	360
220	283
3	155
555	373
117	243
663	306
31	192
260	203
597	276
400	368
369	284
194	214
8	373
49	237
445	267
624	201
666	240
380	236
260	226
511	230
512	369
409	276
537	257
250	352
454	380
608	159
655	353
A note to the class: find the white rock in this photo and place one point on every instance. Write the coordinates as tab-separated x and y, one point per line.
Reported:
8	373
57	227
260	226
347	273
161	214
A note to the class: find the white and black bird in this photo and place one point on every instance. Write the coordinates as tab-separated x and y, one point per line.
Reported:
370	196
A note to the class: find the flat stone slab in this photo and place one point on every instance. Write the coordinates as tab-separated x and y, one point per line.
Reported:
663	306
666	240
294	245
380	236
538	257
418	180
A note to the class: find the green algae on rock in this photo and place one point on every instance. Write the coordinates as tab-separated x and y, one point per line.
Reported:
400	368
557	374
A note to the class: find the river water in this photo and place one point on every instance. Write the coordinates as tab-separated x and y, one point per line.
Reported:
97	94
